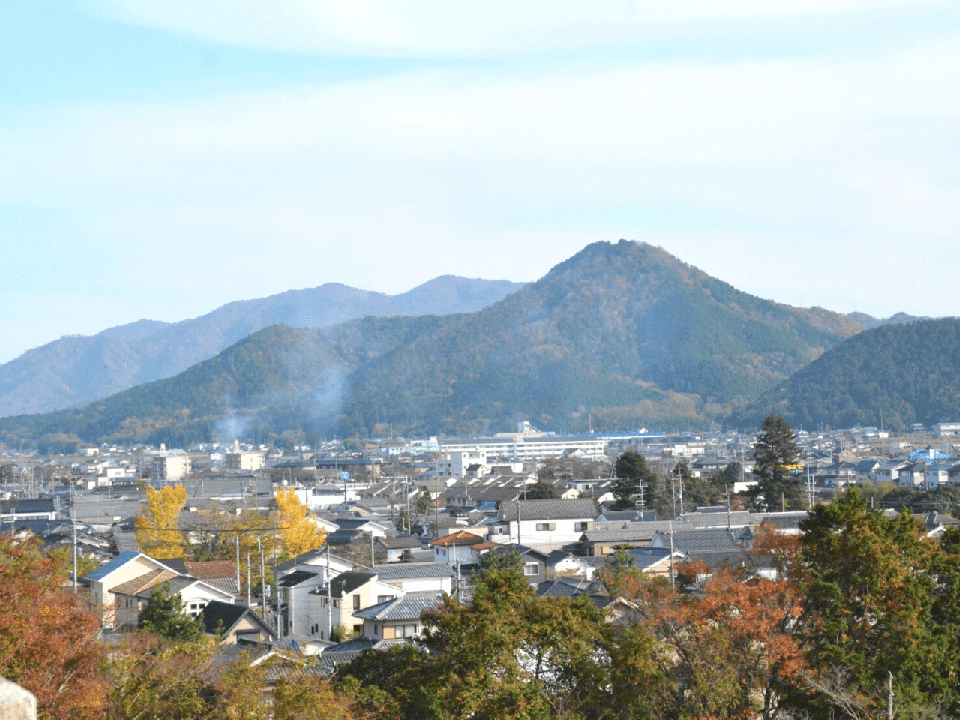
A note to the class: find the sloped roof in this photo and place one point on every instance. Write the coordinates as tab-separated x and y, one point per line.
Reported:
115	564
401	571
409	607
549	510
345	583
295	578
701	541
648	556
144	582
350	650
457	539
212	569
226	615
720	520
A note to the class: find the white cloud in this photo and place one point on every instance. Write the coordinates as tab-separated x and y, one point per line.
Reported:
760	169
455	28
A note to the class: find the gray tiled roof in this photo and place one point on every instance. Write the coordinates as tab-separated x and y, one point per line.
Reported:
701	541
549	510
399	571
409	607
720	520
350	650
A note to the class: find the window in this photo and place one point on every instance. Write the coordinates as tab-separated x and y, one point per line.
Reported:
376	629
544	527
384	598
531	569
580	527
356	602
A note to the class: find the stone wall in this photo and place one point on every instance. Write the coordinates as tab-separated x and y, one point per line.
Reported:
16	703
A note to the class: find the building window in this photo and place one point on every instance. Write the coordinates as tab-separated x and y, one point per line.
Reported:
356	602
545	527
385	598
531	569
376	629
580	527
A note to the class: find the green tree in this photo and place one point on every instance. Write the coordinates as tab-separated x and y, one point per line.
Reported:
776	452
619	561
880	597
164	616
542	491
634	477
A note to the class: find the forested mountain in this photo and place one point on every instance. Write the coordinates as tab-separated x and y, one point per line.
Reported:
910	372
76	370
625	333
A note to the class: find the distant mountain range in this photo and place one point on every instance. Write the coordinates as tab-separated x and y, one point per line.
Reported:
623	334
76	370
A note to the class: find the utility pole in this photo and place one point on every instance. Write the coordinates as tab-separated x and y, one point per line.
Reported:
673	576
329	603
263	585
73	520
237	541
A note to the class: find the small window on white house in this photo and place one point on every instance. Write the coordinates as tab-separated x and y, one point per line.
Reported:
544	527
531	569
580	527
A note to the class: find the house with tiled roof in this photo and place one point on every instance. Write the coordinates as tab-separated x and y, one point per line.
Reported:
132	597
400	545
456	547
543	522
235	624
400	617
313	609
125	567
604	538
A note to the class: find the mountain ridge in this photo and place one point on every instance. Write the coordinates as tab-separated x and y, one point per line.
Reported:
624	333
75	370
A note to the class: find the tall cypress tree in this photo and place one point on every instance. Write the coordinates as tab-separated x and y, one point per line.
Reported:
775	451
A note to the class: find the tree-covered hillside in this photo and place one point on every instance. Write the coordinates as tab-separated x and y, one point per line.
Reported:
622	333
909	372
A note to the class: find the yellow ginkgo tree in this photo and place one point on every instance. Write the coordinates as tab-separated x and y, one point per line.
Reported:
158	532
298	532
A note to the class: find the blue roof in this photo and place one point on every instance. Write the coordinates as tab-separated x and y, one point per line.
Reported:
108	567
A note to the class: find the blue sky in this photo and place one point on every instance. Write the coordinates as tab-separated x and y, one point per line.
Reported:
159	158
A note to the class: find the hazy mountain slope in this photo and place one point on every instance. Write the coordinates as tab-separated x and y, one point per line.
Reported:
626	333
75	370
909	371
870	322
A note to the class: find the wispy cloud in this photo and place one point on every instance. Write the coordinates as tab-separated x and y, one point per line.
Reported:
444	28
775	172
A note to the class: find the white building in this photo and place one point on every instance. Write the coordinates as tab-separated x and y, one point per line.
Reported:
170	467
523	447
543	522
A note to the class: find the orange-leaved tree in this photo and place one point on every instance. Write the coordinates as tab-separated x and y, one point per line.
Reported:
47	635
